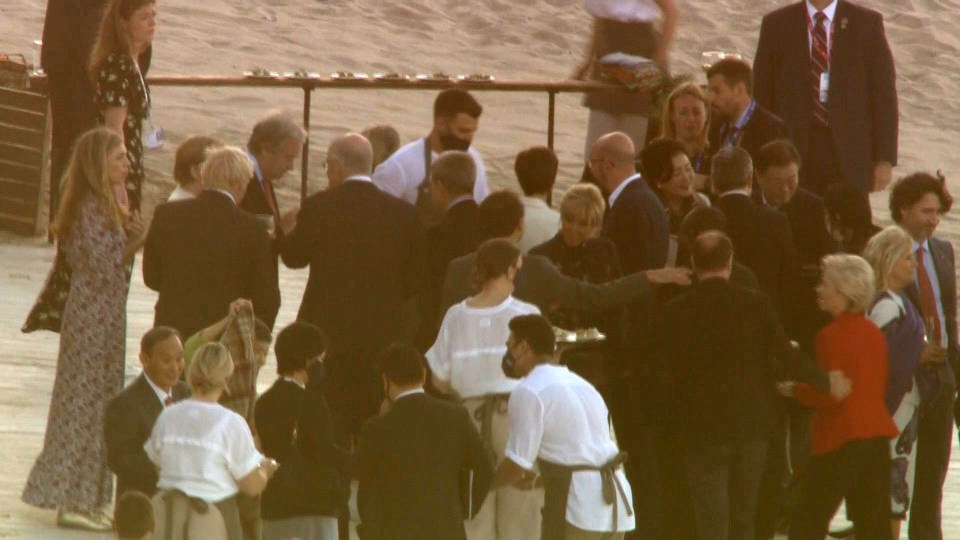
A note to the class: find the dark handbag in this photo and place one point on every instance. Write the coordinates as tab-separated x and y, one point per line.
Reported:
47	312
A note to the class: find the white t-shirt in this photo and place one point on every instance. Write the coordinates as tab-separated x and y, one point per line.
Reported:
471	344
559	417
401	173
540	223
623	10
202	449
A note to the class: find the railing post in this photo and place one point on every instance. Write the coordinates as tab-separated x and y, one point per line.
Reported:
305	159
551	115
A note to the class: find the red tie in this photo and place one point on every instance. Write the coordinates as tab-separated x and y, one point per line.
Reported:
819	64
271	197
167	402
928	301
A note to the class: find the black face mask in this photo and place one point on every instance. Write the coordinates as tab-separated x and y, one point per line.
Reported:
507	365
449	141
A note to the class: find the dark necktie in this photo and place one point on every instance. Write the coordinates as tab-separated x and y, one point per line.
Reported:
167	402
928	301
819	64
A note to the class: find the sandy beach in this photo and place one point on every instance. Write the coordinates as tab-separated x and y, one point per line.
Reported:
528	39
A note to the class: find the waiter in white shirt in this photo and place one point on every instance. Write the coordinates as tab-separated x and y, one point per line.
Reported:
559	422
456	117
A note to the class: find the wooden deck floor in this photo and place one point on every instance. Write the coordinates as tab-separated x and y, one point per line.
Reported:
27	364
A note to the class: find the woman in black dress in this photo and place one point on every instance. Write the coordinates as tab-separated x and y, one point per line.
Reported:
118	68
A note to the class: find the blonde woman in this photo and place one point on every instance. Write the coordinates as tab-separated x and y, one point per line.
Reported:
205	451
118	66
71	473
686	119
890	253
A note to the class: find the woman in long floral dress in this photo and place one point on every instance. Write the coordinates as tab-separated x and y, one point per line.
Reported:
71	473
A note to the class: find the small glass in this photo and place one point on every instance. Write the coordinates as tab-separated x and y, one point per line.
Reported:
35	57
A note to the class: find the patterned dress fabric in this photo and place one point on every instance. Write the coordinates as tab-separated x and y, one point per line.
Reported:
119	85
71	473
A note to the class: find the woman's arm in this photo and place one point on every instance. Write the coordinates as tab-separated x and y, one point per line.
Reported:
671	16
136	237
255	482
113	118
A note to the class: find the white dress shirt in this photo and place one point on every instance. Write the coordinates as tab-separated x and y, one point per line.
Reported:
623	10
180	194
402	173
619	189
559	417
830	11
540	223
470	347
161	395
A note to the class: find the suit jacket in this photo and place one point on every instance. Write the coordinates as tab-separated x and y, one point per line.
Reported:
638	224
127	424
539	282
364	249
762	128
862	104
203	253
763	242
721	383
295	428
944	261
409	463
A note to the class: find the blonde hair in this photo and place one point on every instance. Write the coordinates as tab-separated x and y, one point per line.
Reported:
112	38
852	277
884	250
668	130
226	168
210	368
582	198
87	172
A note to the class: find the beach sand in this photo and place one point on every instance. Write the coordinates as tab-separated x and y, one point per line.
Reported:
520	39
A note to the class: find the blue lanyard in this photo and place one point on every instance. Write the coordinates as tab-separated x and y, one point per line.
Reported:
733	137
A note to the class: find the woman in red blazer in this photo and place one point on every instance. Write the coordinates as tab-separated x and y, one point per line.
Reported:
851	454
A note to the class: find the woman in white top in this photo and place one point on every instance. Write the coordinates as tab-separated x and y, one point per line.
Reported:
466	362
206	451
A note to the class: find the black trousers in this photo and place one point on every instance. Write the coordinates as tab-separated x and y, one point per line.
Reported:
859	471
933	457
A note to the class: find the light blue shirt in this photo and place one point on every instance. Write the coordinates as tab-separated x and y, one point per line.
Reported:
934	284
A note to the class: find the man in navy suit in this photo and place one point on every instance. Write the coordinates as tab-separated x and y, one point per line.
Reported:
916	204
636	220
825	68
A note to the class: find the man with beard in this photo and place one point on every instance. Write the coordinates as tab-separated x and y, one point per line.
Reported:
405	174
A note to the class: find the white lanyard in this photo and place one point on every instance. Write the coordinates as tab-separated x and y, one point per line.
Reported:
143	85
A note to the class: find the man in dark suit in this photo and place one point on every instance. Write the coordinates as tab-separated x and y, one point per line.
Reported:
275	143
364	249
825	68
452	176
916	204
202	254
761	236
636	220
418	460
739	119
129	417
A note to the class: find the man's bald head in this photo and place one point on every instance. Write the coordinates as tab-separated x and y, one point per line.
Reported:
612	159
349	155
712	254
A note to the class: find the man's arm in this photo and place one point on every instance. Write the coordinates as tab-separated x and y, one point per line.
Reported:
764	66
476	461
266	288
297	247
125	454
152	263
882	86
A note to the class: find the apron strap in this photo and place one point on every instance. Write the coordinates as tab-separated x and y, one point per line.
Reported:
558	476
492	404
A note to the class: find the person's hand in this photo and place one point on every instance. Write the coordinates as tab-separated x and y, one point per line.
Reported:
288	221
933	355
840	385
136	230
238	305
786	388
269	467
882	175
663	276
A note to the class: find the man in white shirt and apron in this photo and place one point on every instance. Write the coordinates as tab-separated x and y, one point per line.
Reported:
559	423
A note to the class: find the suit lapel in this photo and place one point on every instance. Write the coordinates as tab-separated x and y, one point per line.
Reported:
148	397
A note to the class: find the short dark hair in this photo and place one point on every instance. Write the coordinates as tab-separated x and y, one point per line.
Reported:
499	215
733	71
779	153
909	190
454	101
261	332
536	331
700	220
190	153
656	161
731	169
456	171
494	258
133	516
848	208
297	343
712	251
156	335
401	363
536	169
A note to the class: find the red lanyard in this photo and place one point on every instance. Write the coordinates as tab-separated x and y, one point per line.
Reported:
812	30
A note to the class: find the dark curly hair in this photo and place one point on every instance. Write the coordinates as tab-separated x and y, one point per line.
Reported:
909	190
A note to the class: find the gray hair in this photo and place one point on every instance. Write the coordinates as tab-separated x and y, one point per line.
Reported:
226	168
853	277
456	171
353	152
732	169
582	199
273	129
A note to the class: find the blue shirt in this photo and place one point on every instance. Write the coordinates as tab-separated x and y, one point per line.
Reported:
934	284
